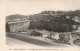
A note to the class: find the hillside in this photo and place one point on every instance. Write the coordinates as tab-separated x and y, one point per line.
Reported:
16	17
51	20
54	22
47	15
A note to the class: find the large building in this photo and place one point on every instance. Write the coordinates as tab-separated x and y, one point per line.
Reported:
17	23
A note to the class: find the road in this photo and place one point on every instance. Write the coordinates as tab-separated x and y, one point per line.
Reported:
25	45
20	39
15	42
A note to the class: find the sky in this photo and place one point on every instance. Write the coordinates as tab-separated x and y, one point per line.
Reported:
29	7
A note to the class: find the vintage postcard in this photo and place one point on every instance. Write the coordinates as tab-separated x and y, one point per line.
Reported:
40	25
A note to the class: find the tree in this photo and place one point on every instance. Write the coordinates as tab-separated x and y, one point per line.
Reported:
7	27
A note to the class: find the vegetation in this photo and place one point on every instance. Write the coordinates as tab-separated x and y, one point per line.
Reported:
7	27
55	21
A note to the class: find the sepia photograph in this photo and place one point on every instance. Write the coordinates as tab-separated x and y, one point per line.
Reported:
42	23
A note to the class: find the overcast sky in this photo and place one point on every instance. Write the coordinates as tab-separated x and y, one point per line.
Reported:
28	7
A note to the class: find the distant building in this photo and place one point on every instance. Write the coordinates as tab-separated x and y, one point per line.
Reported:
68	17
75	18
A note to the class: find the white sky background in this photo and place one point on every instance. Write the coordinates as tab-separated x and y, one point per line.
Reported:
28	7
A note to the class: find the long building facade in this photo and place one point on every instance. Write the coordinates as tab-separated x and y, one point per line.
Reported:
19	26
17	23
